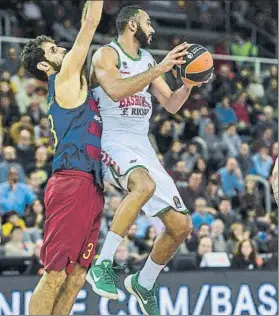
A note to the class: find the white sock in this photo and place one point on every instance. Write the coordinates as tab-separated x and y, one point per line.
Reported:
149	274
110	246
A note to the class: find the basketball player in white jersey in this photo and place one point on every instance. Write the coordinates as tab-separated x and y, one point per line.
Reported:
122	73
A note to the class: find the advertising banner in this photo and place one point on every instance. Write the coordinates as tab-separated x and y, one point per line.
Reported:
188	293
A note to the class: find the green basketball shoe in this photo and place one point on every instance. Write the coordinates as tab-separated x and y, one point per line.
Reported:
102	279
147	299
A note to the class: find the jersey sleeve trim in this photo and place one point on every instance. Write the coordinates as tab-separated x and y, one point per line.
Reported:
118	56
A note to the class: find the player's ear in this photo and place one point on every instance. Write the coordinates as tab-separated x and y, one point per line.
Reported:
43	66
132	25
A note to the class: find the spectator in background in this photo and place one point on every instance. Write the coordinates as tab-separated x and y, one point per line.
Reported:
122	258
231	179
221	86
41	165
16	247
201	214
273	74
190	157
262	162
14	195
224	112
164	136
193	240
240	108
193	190
114	202
180	174
173	155
264	140
35	217
226	214
8	110
246	257
12	64
19	80
236	235
215	147
146	245
243	47
8	163
252	199
23	96
217	236
23	124
232	141
42	132
13	220
213	193
34	110
191	127
34	183
266	122
134	245
245	161
65	31
205	246
255	90
24	149
272	94
201	166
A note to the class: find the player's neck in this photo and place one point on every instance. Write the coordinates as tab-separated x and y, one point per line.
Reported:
129	45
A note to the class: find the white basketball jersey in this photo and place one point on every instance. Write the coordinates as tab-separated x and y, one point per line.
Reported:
131	115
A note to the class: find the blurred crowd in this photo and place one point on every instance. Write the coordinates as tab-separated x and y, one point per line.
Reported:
219	149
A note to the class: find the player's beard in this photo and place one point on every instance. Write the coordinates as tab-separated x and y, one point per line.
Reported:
56	66
141	37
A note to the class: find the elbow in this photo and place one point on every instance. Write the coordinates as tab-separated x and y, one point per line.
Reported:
172	111
114	95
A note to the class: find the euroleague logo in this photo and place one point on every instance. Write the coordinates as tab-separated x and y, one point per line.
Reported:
189	55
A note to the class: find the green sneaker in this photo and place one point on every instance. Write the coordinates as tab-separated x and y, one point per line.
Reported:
147	299
102	279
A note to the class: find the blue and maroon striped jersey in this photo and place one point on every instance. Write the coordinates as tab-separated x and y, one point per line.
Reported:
76	135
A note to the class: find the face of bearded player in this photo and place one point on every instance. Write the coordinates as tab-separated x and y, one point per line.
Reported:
144	30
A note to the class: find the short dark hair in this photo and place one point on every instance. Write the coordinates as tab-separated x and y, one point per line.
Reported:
125	15
32	54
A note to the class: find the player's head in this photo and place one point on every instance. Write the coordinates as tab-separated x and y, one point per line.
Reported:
42	56
135	20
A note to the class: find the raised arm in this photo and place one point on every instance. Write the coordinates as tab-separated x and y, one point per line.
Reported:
108	75
75	58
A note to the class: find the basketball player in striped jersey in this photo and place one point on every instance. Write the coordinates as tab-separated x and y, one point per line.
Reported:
122	73
73	198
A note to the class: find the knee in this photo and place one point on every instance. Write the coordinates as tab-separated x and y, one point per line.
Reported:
77	278
143	184
55	279
183	229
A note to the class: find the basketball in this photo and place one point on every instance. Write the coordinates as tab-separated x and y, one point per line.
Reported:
198	67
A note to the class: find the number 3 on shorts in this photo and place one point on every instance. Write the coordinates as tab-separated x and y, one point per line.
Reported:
89	250
52	130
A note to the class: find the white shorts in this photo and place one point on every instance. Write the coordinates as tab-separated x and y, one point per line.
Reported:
119	160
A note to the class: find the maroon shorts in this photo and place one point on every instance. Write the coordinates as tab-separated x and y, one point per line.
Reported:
74	206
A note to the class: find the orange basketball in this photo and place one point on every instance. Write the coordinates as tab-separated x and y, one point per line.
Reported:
198	67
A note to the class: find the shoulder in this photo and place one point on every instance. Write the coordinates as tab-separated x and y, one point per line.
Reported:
105	53
147	55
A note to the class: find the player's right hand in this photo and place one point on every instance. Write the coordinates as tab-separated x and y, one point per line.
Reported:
174	57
